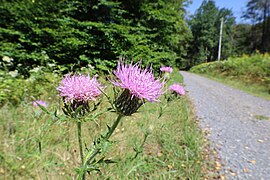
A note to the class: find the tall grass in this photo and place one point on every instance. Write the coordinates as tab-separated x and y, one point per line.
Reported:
249	73
35	145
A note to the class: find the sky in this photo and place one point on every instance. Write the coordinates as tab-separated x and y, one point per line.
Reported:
237	7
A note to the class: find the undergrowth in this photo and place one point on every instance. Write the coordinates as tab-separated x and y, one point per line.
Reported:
249	73
35	145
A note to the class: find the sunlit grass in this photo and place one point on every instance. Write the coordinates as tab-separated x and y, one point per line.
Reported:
252	88
35	145
247	73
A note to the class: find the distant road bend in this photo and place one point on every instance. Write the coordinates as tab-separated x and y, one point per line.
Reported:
239	126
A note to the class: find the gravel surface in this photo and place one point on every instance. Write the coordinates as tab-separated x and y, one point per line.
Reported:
238	124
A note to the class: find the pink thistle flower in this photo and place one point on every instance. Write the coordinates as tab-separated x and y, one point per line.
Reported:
39	102
166	69
140	83
178	89
79	88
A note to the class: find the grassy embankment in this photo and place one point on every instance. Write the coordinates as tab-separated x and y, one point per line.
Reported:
248	73
34	145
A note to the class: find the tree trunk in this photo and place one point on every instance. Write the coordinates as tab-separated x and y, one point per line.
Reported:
263	40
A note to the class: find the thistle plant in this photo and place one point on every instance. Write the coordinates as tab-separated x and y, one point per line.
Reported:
36	103
173	92
137	86
77	92
167	70
177	89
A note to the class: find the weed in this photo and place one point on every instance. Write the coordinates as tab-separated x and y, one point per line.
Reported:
35	145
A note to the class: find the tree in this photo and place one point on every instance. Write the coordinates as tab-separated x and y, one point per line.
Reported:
93	32
165	29
205	26
243	40
259	12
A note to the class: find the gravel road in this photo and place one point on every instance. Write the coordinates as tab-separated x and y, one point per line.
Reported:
239	126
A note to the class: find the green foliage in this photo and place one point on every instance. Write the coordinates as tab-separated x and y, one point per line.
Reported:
96	33
243	39
39	146
14	89
258	12
248	69
205	27
237	39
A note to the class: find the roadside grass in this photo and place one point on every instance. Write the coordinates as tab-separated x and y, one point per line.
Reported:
248	73
33	145
254	89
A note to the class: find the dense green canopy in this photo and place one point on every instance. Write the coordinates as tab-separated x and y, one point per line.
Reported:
97	32
205	27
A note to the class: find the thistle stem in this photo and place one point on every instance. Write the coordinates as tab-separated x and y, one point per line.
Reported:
141	146
90	156
79	126
115	124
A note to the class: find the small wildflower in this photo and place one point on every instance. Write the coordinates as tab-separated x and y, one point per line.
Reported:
13	73
138	84
39	102
7	59
178	89
35	69
51	65
166	69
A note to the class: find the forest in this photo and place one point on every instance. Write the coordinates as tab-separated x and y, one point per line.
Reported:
96	33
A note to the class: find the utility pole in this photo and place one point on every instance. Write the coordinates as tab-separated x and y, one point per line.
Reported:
220	39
